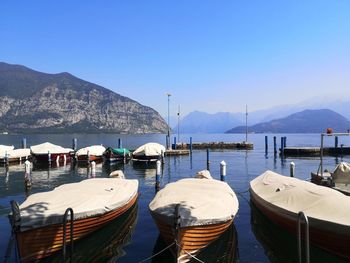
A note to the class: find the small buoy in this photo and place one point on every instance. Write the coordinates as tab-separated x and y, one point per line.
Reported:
329	130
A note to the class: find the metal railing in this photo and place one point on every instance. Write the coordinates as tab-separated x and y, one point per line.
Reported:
302	216
65	219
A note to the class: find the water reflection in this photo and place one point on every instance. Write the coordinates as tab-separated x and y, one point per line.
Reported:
224	249
279	244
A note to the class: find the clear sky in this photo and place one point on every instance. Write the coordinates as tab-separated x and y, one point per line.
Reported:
210	55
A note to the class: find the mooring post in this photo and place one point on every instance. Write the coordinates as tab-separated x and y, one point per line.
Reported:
93	169
274	146
75	144
191	145
208	159
292	169
282	147
27	174
174	148
24	143
88	156
336	141
222	171
266	145
49	157
158	173
6	159
119	143
284	141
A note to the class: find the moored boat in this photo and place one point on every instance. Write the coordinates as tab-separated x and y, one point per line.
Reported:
192	213
116	155
15	156
281	198
38	221
148	153
48	152
91	153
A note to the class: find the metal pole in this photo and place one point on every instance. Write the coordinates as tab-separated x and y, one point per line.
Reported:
301	216
208	159
292	169
191	145
178	125
24	143
158	173
336	141
266	144
222	171
168	94
321	154
274	146
246	123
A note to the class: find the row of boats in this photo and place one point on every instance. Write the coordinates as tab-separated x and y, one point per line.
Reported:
48	152
190	213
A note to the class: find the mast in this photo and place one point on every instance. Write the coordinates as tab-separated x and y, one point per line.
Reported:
178	124
246	123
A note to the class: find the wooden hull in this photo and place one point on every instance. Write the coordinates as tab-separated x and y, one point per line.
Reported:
329	236
191	239
39	243
44	158
14	160
90	158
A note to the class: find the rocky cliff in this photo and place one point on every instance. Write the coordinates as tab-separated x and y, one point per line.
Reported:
32	101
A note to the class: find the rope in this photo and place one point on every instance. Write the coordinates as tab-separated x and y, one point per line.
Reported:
160	252
189	254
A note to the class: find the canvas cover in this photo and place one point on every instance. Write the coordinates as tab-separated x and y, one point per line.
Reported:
5	148
296	195
88	198
46	147
202	202
150	149
341	173
17	153
96	150
119	151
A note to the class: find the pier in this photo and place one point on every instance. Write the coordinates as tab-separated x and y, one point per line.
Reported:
314	151
216	145
177	152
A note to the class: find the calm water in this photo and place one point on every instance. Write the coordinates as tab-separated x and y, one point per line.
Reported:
254	245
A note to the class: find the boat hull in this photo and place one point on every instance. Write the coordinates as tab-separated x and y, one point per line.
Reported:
42	242
89	158
191	239
55	157
329	236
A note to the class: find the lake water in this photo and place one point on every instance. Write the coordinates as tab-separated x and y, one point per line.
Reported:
142	240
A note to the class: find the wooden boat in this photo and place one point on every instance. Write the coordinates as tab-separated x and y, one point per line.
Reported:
148	153
91	153
14	156
193	213
116	155
38	221
281	198
48	152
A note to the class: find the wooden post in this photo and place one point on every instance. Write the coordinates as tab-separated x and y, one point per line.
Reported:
282	147
75	144
274	146
284	141
174	148
222	171
119	143
336	141
191	145
266	145
208	159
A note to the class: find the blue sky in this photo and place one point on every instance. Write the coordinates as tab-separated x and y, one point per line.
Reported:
210	55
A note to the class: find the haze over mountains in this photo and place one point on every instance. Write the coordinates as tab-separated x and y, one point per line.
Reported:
32	101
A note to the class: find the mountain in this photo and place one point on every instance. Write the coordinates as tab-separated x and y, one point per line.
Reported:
32	101
307	121
201	122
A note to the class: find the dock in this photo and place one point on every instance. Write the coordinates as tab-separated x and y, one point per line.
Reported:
315	151
216	145
177	152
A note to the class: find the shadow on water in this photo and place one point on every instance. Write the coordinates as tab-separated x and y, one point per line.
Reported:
279	244
105	244
222	250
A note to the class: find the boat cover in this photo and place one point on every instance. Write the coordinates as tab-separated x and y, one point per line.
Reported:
202	202
88	198
150	149
46	147
296	195
5	148
341	173
96	150
119	151
17	153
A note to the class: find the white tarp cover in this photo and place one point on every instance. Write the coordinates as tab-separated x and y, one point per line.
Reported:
296	195
96	150
150	149
202	202
17	153
5	148
46	147
88	198
341	173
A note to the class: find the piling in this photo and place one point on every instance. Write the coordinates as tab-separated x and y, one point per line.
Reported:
7	162
93	169
174	145
274	146
158	173
120	143
49	157
88	156
24	143
191	145
27	174
336	142
292	169
75	144
208	159
266	145
282	147
284	141
222	171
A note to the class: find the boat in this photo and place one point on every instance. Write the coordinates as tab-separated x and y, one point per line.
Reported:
116	155
38	221
281	198
148	153
91	153
192	213
14	156
48	152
